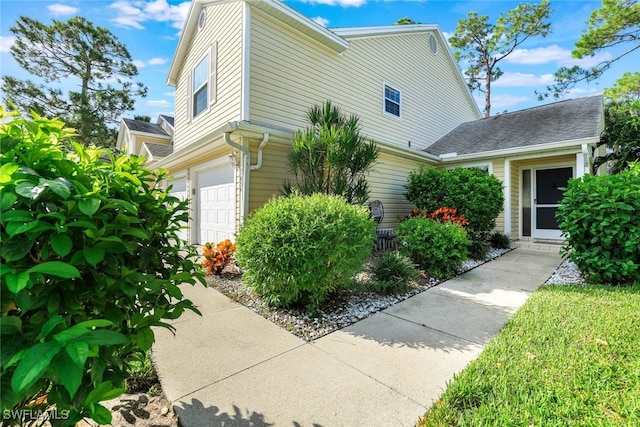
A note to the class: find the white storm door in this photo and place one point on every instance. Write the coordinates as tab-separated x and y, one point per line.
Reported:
546	198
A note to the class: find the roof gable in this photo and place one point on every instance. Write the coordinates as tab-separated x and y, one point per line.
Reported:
275	8
574	119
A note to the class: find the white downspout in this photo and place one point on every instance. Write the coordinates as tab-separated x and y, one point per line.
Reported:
258	164
246	168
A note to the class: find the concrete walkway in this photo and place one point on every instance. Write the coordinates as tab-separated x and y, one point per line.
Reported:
231	367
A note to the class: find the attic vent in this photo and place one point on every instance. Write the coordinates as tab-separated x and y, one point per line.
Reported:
433	44
202	18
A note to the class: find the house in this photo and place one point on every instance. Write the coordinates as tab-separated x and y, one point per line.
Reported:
246	72
151	140
533	152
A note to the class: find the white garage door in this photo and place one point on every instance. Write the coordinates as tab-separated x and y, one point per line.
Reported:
216	204
179	190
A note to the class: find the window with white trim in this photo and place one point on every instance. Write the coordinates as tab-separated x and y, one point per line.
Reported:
202	85
391	101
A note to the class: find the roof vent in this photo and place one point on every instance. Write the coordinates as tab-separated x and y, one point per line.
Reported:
433	44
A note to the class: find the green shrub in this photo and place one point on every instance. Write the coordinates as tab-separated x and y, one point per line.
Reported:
435	246
600	220
500	240
476	194
478	248
296	250
89	266
393	273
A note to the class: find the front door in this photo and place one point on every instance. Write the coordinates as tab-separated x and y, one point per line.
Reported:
546	197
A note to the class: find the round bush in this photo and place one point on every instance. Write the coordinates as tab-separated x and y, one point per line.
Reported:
600	220
435	246
476	194
296	250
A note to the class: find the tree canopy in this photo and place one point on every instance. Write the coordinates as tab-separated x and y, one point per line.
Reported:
616	23
483	45
68	50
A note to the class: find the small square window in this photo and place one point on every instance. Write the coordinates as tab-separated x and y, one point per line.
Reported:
391	100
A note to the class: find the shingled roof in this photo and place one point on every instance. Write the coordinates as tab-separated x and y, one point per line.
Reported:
560	121
158	150
146	127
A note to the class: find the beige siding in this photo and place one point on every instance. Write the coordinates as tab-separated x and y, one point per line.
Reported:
224	28
386	181
140	139
290	73
387	184
267	181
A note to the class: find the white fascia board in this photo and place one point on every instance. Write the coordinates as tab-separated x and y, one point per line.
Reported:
309	27
381	31
552	146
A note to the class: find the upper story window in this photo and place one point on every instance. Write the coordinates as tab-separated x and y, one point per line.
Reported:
200	86
392	101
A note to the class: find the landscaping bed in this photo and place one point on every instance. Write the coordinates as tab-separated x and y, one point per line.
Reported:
342	309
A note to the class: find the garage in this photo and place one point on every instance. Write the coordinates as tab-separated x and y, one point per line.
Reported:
216	204
179	190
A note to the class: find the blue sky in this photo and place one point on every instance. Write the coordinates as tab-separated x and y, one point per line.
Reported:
151	28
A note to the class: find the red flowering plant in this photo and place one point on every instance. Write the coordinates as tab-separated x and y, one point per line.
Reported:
447	214
218	256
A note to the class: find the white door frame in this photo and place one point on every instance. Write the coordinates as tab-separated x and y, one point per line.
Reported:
537	233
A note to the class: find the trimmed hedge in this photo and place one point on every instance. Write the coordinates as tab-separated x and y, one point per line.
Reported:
435	246
600	220
476	194
297	250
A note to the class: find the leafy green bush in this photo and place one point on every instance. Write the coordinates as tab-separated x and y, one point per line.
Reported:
89	266
500	240
393	273
435	246
476	194
296	250
600	220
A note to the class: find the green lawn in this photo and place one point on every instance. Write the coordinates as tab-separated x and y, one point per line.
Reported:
570	356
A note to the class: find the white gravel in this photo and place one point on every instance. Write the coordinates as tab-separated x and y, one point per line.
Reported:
343	309
567	273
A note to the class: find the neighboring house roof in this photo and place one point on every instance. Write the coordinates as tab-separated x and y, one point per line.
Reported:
146	127
168	119
157	151
569	120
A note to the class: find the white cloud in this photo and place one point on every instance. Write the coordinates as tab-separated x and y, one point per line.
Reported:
6	42
501	102
171	94
554	53
322	21
157	61
58	9
134	13
343	3
509	79
158	103
139	63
